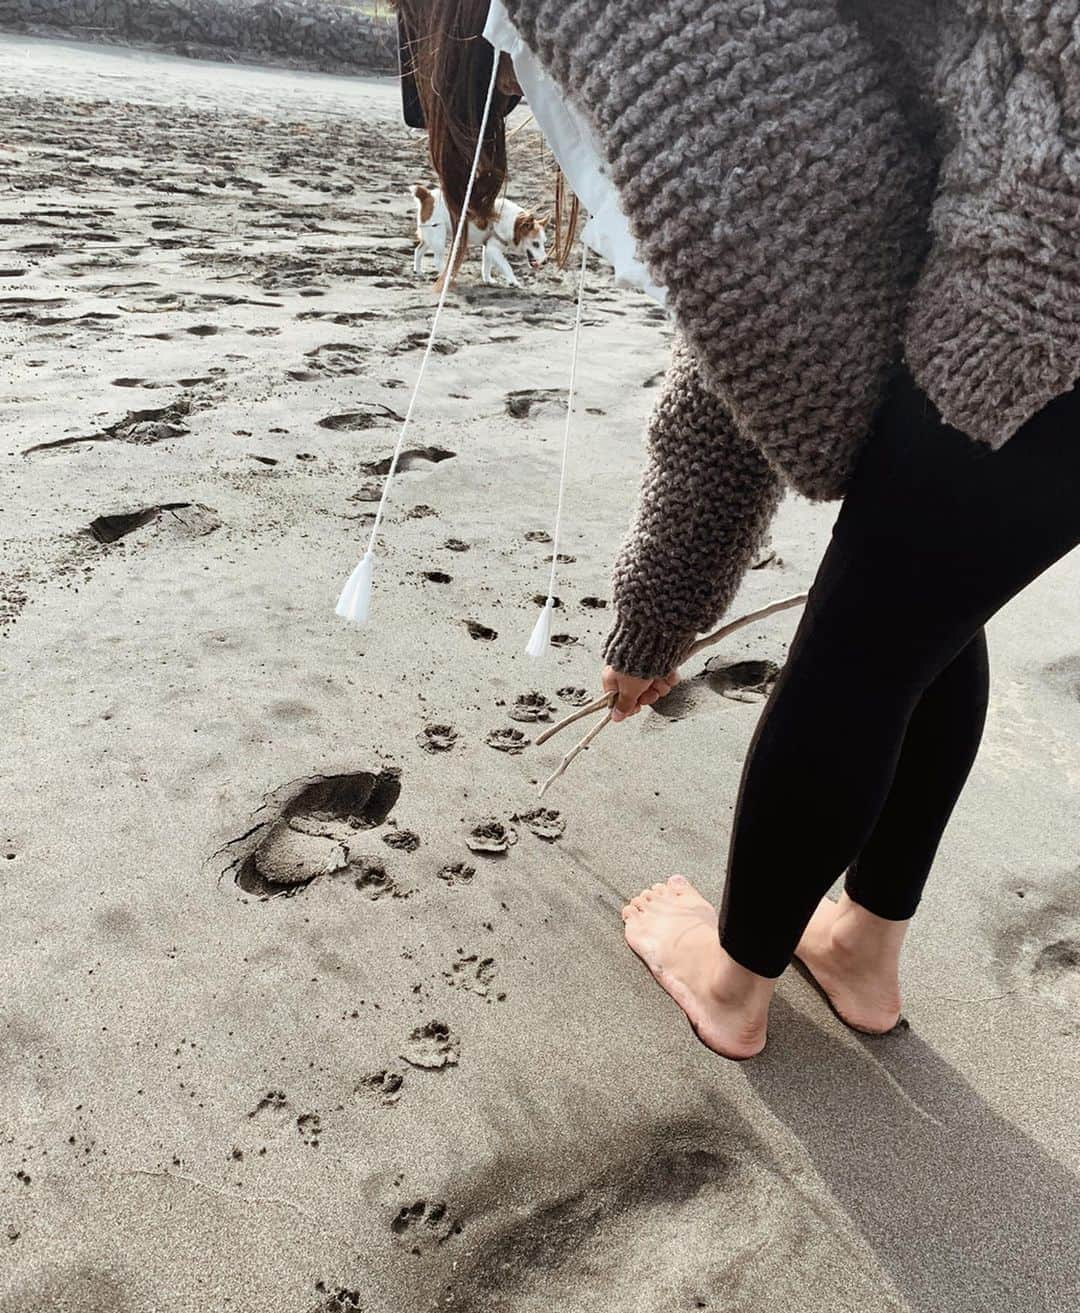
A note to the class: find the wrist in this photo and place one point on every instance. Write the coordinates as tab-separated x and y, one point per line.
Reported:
644	650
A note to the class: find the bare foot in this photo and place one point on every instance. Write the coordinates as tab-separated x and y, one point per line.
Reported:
854	956
674	932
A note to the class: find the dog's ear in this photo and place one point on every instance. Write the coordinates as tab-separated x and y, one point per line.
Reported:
522	226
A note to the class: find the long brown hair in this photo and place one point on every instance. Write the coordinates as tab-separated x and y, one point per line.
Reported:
451	63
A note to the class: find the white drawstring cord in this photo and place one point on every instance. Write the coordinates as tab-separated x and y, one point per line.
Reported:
355	600
540	640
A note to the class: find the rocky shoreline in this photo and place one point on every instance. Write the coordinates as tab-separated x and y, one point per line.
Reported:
312	34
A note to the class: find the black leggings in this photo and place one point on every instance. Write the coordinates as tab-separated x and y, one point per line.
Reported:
868	737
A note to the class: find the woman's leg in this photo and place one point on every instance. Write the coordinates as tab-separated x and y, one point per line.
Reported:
939	749
935	535
852	946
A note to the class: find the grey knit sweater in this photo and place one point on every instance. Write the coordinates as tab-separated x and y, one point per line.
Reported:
823	187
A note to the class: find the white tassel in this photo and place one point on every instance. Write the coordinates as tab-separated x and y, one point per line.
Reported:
541	635
355	600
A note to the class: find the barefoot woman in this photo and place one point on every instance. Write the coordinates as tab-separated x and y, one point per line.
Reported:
866	220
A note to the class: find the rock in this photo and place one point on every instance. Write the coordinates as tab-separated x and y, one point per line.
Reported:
319	34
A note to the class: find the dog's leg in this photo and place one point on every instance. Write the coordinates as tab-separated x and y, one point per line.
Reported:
485	263
418	258
499	260
439	252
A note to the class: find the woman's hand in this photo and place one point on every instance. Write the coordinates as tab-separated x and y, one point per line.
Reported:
633	694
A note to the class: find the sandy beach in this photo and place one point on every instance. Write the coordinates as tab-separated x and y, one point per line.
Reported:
304	1006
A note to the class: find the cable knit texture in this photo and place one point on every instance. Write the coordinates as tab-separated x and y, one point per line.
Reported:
707	498
777	160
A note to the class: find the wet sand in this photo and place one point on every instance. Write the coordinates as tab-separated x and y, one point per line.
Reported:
425	1073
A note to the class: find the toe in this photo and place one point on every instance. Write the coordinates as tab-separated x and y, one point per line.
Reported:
679	883
640	902
660	887
628	911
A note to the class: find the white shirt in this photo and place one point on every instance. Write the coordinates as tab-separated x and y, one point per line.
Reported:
578	152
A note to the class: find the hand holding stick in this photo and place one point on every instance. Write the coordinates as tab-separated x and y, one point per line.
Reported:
608	699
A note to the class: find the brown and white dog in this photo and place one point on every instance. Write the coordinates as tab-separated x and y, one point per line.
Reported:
509	227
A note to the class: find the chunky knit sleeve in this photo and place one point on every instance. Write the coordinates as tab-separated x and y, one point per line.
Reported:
707	498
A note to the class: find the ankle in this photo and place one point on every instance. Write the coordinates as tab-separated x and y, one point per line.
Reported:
859	935
737	986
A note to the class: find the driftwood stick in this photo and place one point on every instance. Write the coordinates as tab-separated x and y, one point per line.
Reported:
785	604
605	701
608	699
580	747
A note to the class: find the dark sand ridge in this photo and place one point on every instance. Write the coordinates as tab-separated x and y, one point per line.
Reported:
431	1077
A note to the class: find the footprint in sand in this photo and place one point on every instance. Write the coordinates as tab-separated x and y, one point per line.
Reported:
333	360
481	632
1056	971
742	681
526	403
337	1300
437	738
405	841
418	342
369	491
272	1104
432	1046
577	697
737	681
473	973
142	427
370	877
383	1087
414	458
457	873
540	599
531	707
421	1225
203	330
455	545
312	828
190	519
371	415
1040	945
309	1128
673	1181
507	740
543	822
594	603
490	837
437	577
